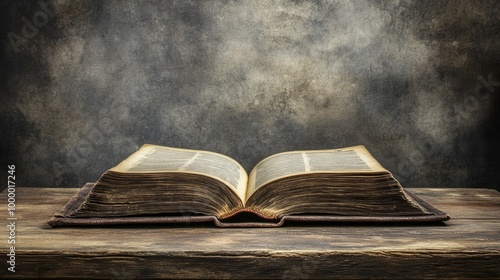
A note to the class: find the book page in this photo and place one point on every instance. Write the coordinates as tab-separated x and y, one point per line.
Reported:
346	160
158	159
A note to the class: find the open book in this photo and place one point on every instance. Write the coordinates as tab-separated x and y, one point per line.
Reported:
159	184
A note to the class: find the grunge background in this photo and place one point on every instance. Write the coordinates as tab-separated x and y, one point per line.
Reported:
85	83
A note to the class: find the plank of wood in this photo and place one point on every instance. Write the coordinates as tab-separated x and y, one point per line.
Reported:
463	203
377	265
466	246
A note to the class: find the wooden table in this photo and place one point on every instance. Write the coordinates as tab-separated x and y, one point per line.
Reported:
467	246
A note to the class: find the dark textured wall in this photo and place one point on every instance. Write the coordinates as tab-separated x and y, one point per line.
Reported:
85	83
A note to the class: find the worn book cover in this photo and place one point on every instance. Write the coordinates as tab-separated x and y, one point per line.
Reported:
158	184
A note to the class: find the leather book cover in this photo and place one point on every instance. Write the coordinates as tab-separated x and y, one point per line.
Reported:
242	218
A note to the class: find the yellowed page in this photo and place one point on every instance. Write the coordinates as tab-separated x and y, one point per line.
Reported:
159	159
354	159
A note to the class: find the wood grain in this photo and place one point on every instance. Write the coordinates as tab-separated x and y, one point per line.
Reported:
467	246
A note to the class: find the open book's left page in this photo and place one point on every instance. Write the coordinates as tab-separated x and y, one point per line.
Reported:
156	159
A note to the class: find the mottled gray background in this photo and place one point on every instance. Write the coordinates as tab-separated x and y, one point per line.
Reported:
85	83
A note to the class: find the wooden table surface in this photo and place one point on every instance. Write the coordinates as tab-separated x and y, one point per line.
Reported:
467	246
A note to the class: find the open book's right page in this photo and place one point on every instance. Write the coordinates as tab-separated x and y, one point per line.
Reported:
354	159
